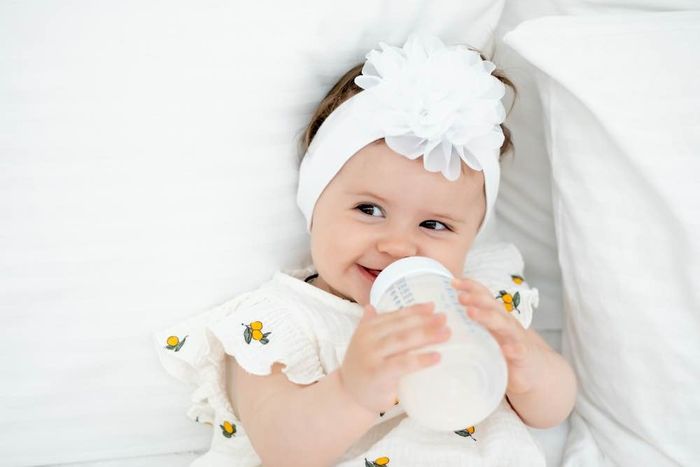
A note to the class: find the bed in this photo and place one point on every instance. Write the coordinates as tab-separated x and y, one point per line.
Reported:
131	134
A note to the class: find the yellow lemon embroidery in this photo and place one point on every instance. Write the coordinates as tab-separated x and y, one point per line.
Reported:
467	432
379	461
228	429
253	331
174	344
510	302
517	279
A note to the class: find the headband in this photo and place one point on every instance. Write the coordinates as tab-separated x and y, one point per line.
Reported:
424	99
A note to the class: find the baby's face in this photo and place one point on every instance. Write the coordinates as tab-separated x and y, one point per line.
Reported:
382	207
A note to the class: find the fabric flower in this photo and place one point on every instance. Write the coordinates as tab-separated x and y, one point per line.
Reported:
441	103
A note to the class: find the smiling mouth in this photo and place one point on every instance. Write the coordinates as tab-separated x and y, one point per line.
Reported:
372	272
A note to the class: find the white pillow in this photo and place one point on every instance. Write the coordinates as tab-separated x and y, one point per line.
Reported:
523	210
624	6
524	205
621	98
148	172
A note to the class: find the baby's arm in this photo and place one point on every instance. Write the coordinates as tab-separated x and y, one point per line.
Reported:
546	396
541	384
292	425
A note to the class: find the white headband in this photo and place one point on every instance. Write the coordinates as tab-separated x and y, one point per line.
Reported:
424	99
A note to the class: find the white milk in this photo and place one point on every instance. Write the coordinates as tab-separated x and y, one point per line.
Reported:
470	380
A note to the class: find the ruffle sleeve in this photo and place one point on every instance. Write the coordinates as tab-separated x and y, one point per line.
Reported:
499	266
269	330
258	328
192	354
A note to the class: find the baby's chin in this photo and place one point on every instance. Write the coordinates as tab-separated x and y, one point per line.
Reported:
361	298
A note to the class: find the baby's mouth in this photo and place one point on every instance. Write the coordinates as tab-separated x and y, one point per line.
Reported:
373	272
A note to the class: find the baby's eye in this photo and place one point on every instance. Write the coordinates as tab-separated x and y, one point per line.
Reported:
369	209
435	225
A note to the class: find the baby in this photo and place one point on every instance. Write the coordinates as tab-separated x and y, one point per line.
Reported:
401	160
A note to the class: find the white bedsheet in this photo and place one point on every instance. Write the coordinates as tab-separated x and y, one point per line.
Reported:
119	213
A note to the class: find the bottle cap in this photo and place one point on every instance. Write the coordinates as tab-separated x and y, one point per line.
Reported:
404	267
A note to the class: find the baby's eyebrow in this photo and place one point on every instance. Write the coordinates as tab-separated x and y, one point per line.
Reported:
370	194
448	217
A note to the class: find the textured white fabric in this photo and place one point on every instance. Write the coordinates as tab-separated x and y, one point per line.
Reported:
308	330
133	139
524	206
621	107
596	7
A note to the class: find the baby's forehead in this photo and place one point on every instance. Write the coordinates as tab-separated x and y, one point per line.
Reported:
398	181
376	162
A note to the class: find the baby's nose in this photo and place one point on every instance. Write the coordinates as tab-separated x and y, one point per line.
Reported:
398	245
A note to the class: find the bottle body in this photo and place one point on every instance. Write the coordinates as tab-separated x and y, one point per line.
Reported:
469	381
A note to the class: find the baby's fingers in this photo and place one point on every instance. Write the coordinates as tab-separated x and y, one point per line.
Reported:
479	300
417	309
425	330
403	318
469	285
506	329
402	364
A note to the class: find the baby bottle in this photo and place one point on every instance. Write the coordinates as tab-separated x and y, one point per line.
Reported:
470	380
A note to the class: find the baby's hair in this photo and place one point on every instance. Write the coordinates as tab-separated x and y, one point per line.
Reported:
345	88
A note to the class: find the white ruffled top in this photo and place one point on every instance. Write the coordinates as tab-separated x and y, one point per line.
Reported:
308	330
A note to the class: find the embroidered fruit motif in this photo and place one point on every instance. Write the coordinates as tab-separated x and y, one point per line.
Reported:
379	461
228	429
253	331
510	302
467	432
174	344
517	279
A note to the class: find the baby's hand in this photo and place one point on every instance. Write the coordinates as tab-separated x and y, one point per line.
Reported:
382	350
518	347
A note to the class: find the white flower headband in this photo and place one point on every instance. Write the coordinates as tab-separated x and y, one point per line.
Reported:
424	99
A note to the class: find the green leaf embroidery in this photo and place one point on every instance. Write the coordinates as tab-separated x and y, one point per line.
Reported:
179	346
178	343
